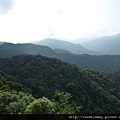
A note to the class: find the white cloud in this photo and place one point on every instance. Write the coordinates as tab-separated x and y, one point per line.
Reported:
5	6
70	19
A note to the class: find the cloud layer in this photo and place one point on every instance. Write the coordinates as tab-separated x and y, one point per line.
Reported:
63	19
5	6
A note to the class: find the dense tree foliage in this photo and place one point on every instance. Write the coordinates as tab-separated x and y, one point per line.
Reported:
41	106
62	104
12	99
95	91
15	101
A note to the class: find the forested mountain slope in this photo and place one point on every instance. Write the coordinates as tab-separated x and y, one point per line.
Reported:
96	91
107	63
9	49
15	100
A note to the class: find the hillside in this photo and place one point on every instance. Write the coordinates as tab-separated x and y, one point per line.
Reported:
58	44
105	45
62	51
107	63
15	100
2	43
9	49
96	91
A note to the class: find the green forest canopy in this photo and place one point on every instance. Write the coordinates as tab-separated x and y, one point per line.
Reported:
97	92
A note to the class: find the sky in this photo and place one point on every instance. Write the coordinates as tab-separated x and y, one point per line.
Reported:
32	20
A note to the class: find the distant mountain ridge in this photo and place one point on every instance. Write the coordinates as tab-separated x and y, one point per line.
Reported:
10	49
105	45
2	43
58	44
61	51
107	63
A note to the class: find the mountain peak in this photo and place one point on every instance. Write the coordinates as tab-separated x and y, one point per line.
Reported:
65	45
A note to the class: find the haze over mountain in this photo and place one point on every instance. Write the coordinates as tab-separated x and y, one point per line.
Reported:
84	39
65	45
106	45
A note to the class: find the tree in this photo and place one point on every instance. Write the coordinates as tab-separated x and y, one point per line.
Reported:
59	105
12	102
63	105
40	106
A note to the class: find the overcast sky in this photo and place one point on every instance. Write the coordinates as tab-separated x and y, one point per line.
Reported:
29	20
